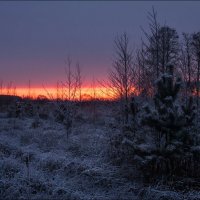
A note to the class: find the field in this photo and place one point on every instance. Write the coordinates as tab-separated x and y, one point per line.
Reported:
40	161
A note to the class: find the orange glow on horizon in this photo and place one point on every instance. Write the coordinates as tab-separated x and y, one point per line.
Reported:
87	93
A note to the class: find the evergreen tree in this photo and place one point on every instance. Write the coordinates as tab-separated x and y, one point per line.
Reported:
168	117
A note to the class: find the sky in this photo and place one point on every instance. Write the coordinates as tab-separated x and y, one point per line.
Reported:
37	36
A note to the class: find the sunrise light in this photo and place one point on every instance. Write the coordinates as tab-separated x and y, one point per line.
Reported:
87	93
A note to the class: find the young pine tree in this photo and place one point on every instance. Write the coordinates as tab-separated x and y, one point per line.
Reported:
168	117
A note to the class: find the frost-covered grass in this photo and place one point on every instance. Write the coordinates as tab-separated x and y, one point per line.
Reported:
42	162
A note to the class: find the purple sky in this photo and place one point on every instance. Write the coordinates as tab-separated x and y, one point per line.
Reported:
36	37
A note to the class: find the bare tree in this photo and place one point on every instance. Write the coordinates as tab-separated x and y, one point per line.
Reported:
1	87
14	91
57	91
160	47
196	48
79	81
9	88
29	89
144	75
71	83
94	110
152	43
165	50
168	47
121	76
67	90
186	63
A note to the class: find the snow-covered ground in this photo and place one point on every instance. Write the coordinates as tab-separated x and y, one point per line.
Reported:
40	162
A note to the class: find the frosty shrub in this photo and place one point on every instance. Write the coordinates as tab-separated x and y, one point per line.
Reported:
36	122
43	112
119	152
9	168
15	109
51	163
28	109
173	139
47	140
21	108
65	114
168	117
165	144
